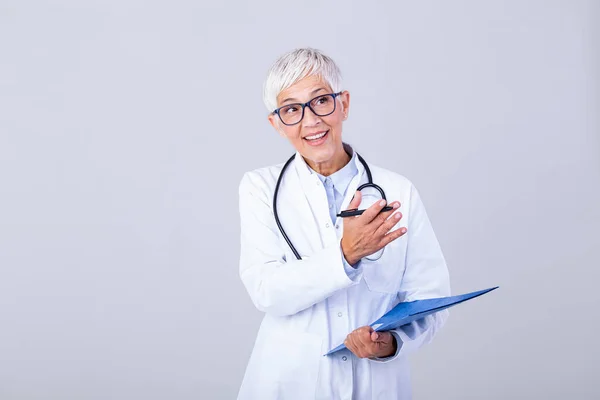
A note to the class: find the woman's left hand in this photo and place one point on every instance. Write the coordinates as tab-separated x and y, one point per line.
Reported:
364	342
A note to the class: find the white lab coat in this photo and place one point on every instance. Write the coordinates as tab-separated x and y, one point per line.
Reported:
311	305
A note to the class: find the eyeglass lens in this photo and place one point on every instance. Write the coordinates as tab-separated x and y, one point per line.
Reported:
322	106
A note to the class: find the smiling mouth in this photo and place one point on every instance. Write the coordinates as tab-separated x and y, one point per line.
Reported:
316	137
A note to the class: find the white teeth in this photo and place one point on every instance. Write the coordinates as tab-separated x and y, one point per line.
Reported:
319	136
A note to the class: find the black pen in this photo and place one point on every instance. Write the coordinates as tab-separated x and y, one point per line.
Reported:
355	211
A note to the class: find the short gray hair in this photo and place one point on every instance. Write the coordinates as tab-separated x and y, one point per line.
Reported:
295	66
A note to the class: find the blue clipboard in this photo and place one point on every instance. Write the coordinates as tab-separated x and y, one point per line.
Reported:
405	313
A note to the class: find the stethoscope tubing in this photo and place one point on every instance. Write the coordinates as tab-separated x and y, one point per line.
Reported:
345	213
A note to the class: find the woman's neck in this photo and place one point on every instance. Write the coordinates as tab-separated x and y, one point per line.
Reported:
328	167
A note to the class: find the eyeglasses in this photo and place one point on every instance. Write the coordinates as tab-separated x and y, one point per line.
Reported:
322	105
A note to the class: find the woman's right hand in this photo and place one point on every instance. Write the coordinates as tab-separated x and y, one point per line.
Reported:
368	233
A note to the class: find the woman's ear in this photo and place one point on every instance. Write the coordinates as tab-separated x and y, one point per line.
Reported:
345	100
274	121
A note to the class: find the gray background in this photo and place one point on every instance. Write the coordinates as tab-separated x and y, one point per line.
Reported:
126	126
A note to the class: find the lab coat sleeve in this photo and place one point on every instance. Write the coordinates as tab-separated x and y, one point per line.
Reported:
352	271
425	276
278	286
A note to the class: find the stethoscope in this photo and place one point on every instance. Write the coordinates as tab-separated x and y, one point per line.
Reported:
345	213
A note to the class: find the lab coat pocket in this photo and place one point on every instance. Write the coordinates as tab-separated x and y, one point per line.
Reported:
293	363
384	274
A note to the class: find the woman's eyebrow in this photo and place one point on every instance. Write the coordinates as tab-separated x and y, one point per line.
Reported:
316	91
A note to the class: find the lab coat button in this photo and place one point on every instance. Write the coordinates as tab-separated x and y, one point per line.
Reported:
327	225
344	358
340	314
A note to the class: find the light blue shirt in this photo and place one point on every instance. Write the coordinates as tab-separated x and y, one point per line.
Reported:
336	186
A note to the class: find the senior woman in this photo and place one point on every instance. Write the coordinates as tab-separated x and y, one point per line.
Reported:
322	279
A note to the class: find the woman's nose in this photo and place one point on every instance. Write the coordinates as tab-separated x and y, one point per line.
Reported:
310	118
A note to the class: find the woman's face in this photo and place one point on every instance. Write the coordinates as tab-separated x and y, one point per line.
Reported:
307	135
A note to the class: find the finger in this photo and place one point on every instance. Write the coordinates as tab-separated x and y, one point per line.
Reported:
372	212
352	346
363	335
355	202
348	344
353	339
375	336
361	348
362	338
383	216
389	223
381	337
379	342
367	347
393	235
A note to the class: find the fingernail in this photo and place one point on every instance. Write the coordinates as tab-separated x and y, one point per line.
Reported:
396	205
397	215
382	203
403	230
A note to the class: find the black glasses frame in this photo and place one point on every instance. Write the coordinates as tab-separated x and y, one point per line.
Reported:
307	104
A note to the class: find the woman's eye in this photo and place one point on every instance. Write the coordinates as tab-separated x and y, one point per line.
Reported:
323	100
290	110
